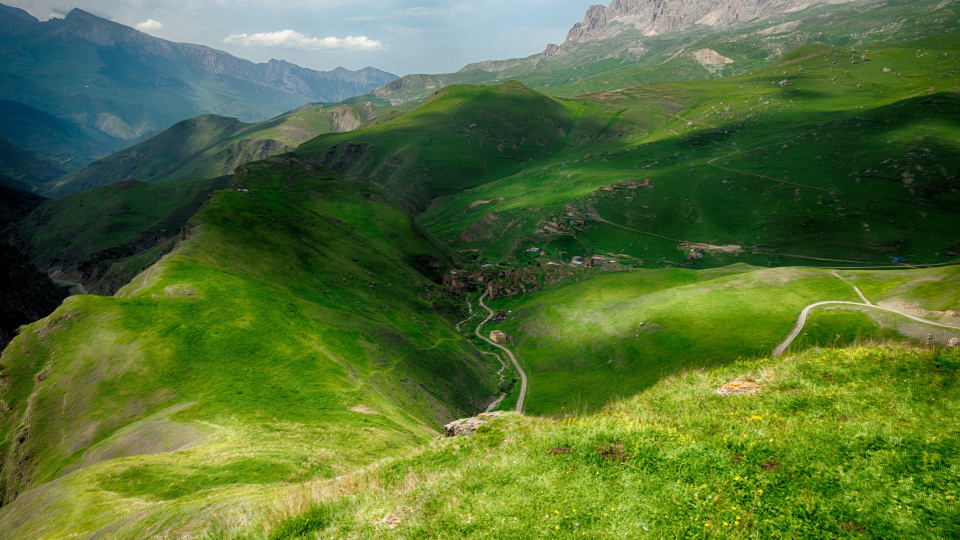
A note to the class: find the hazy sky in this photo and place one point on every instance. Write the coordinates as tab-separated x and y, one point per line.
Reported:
400	36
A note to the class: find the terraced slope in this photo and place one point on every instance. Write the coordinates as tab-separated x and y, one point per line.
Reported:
286	338
207	146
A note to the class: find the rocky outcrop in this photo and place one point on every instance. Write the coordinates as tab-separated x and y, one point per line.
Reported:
655	17
468	426
711	59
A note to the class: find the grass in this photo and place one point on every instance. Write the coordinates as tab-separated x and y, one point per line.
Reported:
208	146
581	343
267	375
832	172
856	442
104	237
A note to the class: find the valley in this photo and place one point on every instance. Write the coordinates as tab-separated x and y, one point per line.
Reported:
687	276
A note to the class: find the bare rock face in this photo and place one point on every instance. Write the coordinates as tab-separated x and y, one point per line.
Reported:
468	426
711	59
654	17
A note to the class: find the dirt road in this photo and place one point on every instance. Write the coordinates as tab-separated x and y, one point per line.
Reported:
523	376
806	311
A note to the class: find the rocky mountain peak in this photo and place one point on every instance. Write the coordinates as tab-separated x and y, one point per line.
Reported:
654	17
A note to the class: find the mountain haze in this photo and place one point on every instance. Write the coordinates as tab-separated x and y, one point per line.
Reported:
127	85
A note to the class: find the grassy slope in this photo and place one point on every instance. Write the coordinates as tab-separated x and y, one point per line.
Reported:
630	58
847	163
105	236
252	377
206	146
581	344
848	443
462	137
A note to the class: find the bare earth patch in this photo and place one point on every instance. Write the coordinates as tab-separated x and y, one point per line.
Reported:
739	388
363	409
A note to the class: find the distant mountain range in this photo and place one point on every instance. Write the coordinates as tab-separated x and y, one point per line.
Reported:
109	86
633	42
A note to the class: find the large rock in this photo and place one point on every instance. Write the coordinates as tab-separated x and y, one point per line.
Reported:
468	426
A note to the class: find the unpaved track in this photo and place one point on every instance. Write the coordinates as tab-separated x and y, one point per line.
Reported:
523	376
806	311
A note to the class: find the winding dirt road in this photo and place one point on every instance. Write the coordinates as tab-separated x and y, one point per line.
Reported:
523	376
866	303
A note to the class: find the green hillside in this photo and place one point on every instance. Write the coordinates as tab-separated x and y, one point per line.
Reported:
582	343
207	146
207	374
837	443
628	57
102	238
844	163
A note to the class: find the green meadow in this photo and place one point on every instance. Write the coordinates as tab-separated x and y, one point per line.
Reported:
284	340
858	442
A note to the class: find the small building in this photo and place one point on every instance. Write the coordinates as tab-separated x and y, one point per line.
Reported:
498	337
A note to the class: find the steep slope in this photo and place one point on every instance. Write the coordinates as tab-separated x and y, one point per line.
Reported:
461	137
208	374
583	344
207	146
103	237
838	443
834	161
128	85
26	293
23	169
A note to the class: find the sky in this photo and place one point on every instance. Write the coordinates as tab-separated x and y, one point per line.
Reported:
399	36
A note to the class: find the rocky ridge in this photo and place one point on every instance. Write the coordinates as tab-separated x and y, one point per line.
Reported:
655	17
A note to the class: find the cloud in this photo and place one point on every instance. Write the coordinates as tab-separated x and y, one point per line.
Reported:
149	25
290	39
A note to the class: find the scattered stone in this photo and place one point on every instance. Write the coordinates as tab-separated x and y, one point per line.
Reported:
864	58
641	325
468	426
739	388
786	82
954	342
887	70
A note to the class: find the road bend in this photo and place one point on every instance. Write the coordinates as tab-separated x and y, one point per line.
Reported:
806	311
523	376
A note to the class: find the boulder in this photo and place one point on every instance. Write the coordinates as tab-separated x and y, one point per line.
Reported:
468	426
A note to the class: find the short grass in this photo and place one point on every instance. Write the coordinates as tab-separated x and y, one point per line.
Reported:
856	442
581	343
275	381
847	166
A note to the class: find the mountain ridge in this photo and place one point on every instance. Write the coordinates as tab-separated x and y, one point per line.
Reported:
128	85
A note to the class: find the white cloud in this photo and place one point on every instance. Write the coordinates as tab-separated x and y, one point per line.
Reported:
149	25
290	39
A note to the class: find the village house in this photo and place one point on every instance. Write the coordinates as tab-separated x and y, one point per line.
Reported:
498	337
